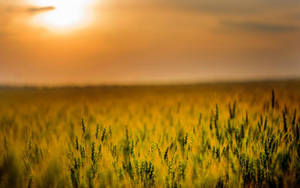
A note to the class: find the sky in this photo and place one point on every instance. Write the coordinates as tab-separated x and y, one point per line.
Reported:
60	42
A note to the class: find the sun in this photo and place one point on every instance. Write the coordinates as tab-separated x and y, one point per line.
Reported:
67	14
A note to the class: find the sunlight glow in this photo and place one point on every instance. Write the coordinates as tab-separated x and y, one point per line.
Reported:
68	14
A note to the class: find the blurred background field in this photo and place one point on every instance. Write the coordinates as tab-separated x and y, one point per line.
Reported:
201	135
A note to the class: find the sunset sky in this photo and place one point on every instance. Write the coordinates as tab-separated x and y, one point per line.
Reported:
147	41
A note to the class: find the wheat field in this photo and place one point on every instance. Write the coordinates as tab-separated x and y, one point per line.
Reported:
202	135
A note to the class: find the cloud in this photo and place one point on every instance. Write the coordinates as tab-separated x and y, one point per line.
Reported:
215	7
39	9
27	9
212	6
260	27
232	7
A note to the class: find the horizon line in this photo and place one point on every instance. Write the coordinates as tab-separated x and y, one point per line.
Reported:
145	84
